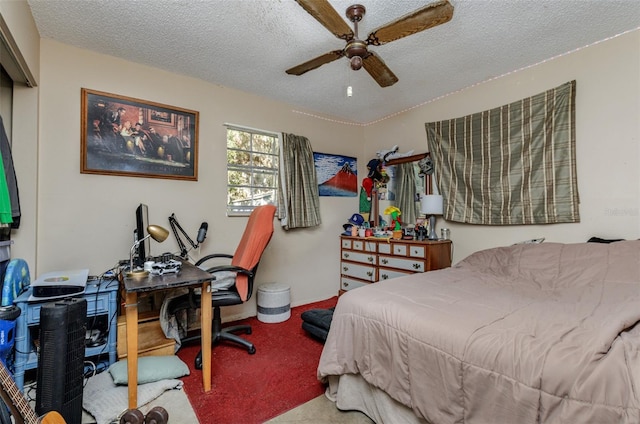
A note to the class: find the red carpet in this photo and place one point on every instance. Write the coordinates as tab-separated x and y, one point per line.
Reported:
255	388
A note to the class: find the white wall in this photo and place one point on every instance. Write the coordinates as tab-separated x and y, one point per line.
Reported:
87	220
607	146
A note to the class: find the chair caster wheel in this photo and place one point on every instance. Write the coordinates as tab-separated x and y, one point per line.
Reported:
132	416
157	415
252	350
197	363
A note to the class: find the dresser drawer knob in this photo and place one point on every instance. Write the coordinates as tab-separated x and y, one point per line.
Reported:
384	261
345	268
346	255
384	276
416	266
369	274
370	259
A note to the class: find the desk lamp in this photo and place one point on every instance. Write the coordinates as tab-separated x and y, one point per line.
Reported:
157	233
432	204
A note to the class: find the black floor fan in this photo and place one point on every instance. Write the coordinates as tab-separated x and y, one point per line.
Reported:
61	358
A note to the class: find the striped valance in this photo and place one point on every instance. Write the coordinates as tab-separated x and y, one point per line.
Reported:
514	164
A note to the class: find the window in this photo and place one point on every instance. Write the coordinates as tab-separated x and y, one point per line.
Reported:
252	169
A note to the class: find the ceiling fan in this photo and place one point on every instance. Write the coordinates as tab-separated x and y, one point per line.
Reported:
356	50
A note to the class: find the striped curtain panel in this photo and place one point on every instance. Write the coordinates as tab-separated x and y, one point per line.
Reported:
406	192
298	192
511	165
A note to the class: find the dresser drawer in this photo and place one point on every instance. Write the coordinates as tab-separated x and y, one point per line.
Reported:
347	283
365	258
364	246
384	248
417	251
401	263
388	274
363	272
400	249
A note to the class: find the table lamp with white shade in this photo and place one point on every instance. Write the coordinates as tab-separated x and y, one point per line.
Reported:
432	205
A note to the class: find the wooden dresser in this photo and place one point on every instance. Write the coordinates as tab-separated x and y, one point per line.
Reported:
367	260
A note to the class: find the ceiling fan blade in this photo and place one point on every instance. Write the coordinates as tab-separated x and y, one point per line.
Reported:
315	63
378	70
328	17
427	17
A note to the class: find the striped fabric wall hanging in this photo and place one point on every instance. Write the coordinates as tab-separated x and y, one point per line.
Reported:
511	165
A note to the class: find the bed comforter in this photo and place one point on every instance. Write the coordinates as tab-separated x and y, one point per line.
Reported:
542	333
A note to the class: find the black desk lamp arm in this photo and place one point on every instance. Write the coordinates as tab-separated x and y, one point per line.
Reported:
175	227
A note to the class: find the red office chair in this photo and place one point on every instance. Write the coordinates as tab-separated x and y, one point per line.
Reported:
234	282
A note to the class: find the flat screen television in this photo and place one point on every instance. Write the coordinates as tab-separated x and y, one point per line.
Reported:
142	222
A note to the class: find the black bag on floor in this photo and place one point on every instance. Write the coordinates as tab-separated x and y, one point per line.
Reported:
317	322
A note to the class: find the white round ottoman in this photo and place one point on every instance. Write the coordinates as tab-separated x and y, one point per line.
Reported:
274	302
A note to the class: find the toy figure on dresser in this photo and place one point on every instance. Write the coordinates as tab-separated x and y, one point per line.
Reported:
396	224
422	232
394	213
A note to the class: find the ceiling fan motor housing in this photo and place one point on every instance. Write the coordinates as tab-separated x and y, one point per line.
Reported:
356	50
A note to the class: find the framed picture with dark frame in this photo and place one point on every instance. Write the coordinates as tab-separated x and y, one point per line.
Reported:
137	138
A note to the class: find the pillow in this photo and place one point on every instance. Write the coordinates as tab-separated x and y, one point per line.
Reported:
150	369
224	280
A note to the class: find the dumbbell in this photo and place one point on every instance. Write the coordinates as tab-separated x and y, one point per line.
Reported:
157	415
132	416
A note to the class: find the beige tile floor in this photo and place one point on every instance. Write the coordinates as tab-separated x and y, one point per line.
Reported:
320	411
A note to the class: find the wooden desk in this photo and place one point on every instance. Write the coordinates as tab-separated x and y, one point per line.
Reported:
189	275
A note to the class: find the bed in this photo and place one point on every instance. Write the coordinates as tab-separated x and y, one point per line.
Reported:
540	333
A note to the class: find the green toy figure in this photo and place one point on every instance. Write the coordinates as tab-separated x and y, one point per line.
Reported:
395	213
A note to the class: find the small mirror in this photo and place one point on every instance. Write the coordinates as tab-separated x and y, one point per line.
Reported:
405	187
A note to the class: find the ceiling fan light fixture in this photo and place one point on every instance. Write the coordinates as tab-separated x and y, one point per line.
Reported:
356	62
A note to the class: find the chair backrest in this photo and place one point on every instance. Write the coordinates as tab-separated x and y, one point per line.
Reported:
255	239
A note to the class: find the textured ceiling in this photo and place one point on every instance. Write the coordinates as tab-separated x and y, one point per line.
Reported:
248	44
